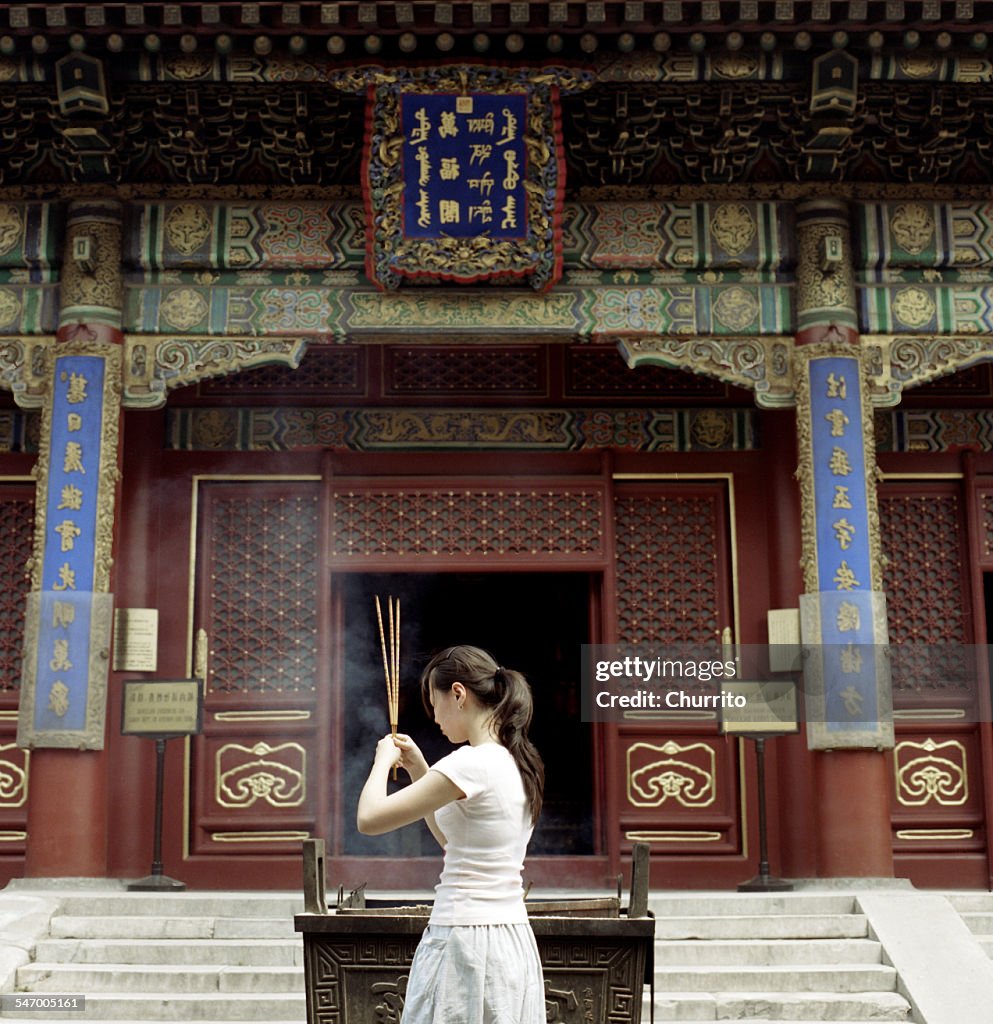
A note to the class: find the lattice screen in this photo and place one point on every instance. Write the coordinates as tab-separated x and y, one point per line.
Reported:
262	556
552	521
926	592
668	567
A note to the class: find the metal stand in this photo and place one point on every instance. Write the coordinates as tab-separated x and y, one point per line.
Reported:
763	882
156	881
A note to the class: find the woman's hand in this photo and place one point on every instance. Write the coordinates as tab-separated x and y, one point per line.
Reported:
388	752
411	758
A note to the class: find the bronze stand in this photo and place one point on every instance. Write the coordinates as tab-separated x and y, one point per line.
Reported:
157	881
763	882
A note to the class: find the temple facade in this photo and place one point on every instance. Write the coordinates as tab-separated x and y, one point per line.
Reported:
565	324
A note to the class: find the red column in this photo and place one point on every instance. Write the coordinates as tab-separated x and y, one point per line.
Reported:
67	794
853	832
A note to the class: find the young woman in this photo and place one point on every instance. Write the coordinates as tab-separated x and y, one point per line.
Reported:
477	962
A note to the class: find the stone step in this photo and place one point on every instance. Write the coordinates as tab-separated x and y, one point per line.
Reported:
190	904
768	953
234	952
851	978
177	979
755	1007
777	926
749	904
143	927
971	902
200	1006
977	923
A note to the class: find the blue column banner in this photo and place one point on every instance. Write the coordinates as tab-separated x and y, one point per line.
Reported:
67	632
843	624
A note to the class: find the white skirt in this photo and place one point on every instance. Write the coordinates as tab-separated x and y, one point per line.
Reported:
475	974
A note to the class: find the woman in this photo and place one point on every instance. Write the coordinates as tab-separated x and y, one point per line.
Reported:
477	962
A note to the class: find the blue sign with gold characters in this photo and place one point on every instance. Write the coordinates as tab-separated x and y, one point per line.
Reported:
70	544
843	619
463	173
464	165
67	627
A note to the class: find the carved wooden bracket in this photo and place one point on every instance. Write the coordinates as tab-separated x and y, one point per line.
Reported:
154	365
765	364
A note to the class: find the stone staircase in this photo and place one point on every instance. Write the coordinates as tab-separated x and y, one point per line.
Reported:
226	957
769	957
178	957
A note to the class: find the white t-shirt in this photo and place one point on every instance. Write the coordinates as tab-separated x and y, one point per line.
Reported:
487	836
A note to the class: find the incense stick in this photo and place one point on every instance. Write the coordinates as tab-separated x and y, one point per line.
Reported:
391	660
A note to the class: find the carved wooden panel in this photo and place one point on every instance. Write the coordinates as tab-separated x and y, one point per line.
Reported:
679	791
442	371
938	791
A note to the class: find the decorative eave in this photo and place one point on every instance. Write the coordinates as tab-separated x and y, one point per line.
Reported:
426	28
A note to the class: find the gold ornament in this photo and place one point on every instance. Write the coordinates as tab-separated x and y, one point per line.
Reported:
735	66
736	308
184	308
913	306
711	428
187	227
918	66
912	225
11	227
10	307
733	227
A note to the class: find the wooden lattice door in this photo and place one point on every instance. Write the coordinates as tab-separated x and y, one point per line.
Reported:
253	779
939	794
16	539
673	780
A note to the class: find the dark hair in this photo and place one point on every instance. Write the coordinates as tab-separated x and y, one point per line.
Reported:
505	691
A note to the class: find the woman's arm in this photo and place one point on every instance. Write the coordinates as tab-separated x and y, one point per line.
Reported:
416	766
381	812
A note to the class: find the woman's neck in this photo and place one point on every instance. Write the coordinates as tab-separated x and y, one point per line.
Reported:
483	730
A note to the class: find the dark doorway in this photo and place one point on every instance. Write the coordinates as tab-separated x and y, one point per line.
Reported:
533	622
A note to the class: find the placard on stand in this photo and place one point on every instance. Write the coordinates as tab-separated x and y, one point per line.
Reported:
770	710
161	709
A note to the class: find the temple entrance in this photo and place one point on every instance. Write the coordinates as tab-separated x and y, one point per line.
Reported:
532	621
